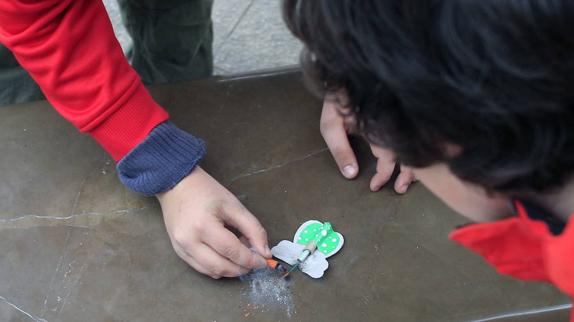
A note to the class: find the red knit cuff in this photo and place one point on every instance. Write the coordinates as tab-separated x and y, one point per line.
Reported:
130	124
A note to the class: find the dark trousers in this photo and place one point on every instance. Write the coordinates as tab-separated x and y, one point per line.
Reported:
172	41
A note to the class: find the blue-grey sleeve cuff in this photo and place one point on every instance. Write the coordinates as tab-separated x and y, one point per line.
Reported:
167	155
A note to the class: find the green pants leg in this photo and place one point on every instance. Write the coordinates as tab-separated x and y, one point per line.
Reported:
172	42
16	85
172	38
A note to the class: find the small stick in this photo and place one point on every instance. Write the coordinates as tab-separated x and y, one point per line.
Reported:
307	251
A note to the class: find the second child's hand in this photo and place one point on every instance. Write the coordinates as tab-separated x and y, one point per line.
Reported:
335	130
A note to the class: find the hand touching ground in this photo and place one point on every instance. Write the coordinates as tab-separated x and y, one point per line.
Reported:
197	214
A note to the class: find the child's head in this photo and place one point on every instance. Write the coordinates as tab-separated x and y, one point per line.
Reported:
482	89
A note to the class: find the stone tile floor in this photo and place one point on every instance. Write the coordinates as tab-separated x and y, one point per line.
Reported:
78	246
249	35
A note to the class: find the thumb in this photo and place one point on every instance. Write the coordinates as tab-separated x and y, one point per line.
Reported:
244	221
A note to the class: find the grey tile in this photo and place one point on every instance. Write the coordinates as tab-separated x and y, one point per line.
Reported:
75	245
248	35
119	29
226	15
260	41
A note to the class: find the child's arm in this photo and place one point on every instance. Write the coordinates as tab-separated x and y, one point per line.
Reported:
69	48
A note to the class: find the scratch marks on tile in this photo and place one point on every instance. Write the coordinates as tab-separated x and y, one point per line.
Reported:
70	283
79	194
67	274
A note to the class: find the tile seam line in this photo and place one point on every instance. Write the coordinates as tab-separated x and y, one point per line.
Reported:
86	214
525	313
278	166
16	307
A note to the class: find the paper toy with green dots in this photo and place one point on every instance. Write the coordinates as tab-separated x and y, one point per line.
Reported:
313	243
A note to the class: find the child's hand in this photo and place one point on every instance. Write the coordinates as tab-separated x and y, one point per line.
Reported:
197	212
335	128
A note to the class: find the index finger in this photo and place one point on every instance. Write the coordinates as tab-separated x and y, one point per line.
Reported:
239	217
226	244
335	135
385	167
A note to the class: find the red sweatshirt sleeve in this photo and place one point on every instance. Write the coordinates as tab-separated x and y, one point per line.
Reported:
69	48
525	248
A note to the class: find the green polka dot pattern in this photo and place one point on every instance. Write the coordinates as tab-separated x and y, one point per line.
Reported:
327	239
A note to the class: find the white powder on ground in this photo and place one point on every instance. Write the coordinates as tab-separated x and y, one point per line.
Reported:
266	290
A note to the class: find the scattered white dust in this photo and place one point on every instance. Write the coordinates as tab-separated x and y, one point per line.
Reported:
267	290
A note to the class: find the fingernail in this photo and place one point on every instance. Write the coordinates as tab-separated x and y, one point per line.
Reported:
267	251
403	188
261	262
243	272
349	171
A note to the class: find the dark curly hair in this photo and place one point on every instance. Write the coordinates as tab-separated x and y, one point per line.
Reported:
493	77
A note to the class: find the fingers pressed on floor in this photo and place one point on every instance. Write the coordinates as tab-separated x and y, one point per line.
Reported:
404	180
340	148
